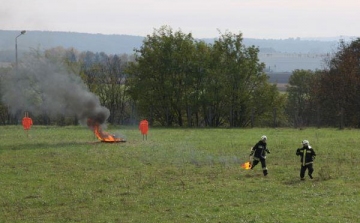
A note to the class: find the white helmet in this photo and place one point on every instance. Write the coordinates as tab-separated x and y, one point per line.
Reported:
263	137
305	142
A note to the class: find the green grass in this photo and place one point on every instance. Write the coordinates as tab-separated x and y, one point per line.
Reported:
63	174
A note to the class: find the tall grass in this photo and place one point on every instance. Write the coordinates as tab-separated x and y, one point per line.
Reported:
64	174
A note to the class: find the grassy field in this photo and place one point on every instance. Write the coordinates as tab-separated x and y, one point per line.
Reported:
64	174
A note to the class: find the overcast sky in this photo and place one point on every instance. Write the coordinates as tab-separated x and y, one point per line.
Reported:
265	19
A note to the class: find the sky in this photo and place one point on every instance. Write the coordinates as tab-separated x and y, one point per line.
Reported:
261	19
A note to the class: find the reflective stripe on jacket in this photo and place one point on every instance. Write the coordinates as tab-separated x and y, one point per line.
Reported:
307	155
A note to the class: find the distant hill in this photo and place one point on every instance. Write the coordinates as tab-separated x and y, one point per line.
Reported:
291	45
110	44
279	55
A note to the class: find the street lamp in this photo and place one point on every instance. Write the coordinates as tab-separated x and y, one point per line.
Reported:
16	54
16	65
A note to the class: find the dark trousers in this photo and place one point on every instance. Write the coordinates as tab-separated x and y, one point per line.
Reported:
263	165
303	169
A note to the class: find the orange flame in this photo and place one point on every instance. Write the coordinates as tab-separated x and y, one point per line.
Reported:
103	136
246	165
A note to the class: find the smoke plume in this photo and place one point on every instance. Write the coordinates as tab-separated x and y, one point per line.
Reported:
45	86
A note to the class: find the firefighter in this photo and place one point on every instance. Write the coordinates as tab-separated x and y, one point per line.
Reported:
258	152
307	155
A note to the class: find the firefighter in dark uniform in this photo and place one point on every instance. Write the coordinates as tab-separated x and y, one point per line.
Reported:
307	155
258	152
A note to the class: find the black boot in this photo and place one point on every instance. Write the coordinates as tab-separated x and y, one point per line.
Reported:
265	172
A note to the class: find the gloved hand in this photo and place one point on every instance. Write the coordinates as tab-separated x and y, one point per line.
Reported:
252	153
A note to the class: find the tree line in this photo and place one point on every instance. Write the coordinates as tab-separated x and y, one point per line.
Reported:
328	97
174	80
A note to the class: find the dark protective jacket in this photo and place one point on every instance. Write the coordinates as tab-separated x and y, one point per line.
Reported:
307	155
259	150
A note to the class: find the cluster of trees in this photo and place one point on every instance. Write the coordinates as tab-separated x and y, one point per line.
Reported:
329	97
176	80
179	81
